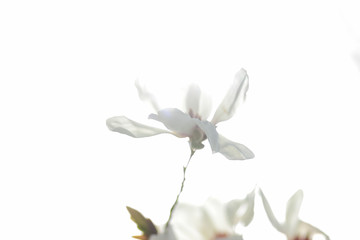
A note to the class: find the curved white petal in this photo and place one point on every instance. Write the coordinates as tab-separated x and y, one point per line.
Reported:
144	95
234	151
270	213
292	211
210	131
236	94
176	121
131	128
247	206
192	100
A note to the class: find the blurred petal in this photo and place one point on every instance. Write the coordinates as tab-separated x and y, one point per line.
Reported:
270	213
193	99
175	120
305	230
236	94
234	151
205	106
188	222
198	104
292	211
233	237
247	215
356	58
144	95
210	132
167	235
126	126
217	215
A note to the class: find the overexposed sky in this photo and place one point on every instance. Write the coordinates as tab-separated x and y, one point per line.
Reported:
67	66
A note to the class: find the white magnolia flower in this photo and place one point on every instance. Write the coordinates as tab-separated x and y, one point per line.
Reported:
193	123
292	227
214	220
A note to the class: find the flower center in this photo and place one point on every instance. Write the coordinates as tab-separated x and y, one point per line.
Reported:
194	115
196	139
220	236
301	238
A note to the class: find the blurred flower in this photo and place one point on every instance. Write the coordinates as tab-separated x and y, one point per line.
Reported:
214	220
192	123
293	227
148	229
168	234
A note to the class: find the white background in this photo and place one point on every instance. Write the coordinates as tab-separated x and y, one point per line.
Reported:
67	66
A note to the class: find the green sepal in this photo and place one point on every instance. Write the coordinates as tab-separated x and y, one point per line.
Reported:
144	224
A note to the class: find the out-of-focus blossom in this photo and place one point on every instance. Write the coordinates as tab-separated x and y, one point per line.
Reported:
167	234
214	220
193	123
148	229
292	227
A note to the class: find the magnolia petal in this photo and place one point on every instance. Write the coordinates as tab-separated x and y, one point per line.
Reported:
292	211
193	99
270	213
234	151
131	128
197	103
144	95
189	223
210	131
167	235
205	105
232	237
215	211
235	94
247	215
307	230
176	121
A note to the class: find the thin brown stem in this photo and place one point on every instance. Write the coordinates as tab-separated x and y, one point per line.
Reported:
181	189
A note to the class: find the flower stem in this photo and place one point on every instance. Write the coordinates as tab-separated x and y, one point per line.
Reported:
181	189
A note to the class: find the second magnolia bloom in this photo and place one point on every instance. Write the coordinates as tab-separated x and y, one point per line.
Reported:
214	220
292	227
193	123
